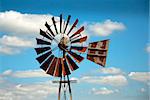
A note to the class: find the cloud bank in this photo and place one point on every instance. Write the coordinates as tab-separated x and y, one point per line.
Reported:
111	70
140	76
19	30
103	91
22	24
14	41
113	80
38	91
105	28
25	74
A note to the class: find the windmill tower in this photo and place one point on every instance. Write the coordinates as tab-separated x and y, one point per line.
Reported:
69	42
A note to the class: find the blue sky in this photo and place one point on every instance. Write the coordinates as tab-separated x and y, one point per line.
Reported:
127	60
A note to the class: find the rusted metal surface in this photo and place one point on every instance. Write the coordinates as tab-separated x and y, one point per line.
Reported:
97	52
73	66
54	23
42	42
77	57
60	23
80	40
47	63
41	58
68	19
65	68
52	67
50	30
77	32
79	49
58	69
42	49
45	34
74	25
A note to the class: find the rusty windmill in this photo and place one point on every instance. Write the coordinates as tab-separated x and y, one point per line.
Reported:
69	42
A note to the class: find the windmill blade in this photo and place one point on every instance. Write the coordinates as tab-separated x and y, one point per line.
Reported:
53	19
58	69
41	58
80	40
48	27
51	68
44	34
42	49
74	25
73	66
60	23
75	37
46	64
68	19
65	69
42	42
77	32
79	49
77	57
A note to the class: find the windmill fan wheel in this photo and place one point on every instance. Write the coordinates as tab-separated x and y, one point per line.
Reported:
65	38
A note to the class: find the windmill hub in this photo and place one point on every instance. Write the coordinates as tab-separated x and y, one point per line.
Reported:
63	43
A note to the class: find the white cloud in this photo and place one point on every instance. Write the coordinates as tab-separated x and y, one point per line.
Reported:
21	29
115	80
104	29
148	48
140	76
75	79
142	90
13	45
8	50
42	88
27	91
14	41
111	70
38	91
103	91
26	73
1	79
7	72
23	24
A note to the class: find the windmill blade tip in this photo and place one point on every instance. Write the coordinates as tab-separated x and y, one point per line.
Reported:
46	23
53	17
41	30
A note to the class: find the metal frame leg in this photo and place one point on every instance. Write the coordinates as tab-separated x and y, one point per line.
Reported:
59	92
69	87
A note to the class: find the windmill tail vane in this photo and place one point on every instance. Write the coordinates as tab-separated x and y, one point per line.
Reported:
60	49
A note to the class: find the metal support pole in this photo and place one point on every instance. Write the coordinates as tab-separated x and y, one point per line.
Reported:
64	89
59	92
69	87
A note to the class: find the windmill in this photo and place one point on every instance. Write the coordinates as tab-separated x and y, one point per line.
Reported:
68	40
